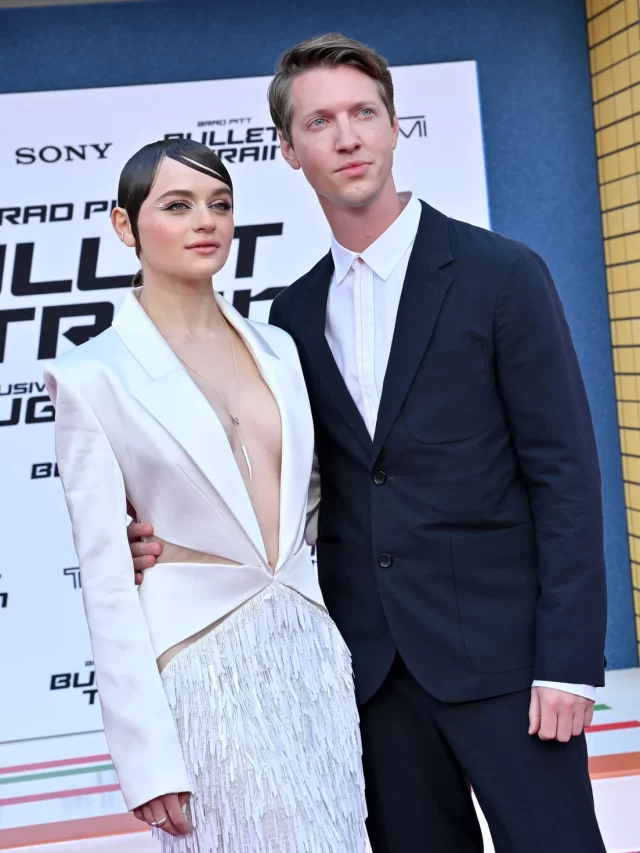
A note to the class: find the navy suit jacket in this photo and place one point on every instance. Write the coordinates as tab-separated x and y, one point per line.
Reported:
468	534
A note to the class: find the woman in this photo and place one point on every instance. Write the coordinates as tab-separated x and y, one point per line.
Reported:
226	690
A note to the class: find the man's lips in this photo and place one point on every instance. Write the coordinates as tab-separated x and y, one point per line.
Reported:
356	167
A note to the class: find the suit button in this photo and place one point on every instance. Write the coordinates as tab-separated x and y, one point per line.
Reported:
379	478
385	561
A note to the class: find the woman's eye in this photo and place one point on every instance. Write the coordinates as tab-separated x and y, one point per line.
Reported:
222	205
177	205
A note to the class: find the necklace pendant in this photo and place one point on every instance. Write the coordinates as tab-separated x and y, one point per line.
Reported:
246	457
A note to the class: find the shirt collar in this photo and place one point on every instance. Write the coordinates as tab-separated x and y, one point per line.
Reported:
383	255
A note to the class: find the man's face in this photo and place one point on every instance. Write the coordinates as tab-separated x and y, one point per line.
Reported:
342	137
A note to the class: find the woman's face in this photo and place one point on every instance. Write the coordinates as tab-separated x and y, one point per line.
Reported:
185	225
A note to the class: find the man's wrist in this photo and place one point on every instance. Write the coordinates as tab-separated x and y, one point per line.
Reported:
587	691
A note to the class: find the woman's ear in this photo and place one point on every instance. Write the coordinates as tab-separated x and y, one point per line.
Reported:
122	226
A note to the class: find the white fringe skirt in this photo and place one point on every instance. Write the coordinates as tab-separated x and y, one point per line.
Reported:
266	714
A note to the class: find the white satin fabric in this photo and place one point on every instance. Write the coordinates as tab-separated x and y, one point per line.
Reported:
131	423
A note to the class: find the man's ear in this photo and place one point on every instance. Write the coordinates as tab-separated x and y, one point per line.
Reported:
287	152
395	126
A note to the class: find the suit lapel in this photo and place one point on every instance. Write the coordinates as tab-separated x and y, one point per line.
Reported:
290	394
423	293
313	339
177	403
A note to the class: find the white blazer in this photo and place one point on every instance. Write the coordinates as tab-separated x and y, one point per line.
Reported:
130	422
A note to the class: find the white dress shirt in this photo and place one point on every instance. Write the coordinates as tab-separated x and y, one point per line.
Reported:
361	316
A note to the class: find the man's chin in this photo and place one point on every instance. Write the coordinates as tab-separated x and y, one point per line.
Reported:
356	196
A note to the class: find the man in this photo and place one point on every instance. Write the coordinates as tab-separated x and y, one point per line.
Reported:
460	529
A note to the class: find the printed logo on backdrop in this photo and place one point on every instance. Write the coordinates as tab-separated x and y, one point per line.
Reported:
61	321
236	140
24	403
82	683
44	471
74	574
413	126
4	598
26	156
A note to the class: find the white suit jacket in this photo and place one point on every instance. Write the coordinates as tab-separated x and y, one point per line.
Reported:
130	422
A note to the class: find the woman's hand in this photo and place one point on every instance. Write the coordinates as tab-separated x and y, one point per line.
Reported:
166	813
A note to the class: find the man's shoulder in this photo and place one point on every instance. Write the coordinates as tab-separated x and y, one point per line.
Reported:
300	285
478	244
275	338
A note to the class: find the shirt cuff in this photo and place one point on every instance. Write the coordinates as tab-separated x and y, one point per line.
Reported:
587	691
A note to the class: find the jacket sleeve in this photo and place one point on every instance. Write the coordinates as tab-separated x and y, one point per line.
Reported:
548	414
139	727
313	504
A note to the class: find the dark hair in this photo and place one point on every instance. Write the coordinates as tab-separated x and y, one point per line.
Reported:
329	51
139	175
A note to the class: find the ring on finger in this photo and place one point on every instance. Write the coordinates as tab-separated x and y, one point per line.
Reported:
158	822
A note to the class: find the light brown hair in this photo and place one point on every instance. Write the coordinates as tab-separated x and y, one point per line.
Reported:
328	51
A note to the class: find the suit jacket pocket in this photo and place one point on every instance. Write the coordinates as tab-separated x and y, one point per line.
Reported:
448	400
497	592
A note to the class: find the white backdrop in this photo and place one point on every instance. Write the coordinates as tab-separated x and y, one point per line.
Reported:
60	157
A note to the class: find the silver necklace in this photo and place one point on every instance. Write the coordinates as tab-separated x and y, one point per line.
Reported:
234	418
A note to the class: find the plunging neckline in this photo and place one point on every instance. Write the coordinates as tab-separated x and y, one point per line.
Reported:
250	349
274	569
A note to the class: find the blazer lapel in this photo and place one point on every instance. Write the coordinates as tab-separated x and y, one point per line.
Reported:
290	394
423	293
313	339
177	403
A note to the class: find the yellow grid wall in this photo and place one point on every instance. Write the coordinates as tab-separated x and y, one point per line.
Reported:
614	51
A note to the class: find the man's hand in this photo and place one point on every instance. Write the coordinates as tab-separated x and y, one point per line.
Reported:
556	715
166	810
145	554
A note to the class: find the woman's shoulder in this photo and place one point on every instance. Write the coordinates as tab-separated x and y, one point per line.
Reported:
83	364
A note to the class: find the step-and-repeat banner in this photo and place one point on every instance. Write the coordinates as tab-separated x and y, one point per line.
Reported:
63	273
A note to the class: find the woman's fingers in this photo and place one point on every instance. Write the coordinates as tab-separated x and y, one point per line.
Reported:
166	813
173	804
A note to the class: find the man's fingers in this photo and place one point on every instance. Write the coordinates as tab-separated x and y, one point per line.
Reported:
145	556
142	563
578	719
588	714
548	720
145	549
565	720
174	810
137	529
534	713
